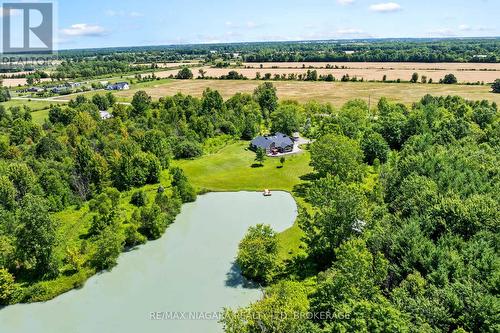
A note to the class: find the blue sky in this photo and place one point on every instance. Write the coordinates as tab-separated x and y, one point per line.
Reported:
109	23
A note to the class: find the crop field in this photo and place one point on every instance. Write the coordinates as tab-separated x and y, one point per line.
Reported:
336	93
369	71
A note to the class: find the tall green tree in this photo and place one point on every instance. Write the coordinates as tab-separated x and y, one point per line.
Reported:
140	103
257	253
414	78
287	119
184	74
337	155
342	215
260	156
36	236
283	309
7	286
7	193
109	245
450	79
265	95
374	147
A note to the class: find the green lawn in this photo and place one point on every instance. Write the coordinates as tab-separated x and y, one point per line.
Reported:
231	169
40	116
33	104
40	109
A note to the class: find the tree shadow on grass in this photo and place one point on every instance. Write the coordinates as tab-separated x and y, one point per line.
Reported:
300	190
235	279
257	165
310	176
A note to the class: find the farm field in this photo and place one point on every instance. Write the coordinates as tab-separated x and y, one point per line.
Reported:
382	65
336	93
18	82
374	71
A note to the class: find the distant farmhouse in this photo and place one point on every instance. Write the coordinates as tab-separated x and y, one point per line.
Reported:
278	143
105	115
61	90
118	86
35	89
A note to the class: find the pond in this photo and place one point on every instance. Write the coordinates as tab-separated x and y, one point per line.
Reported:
174	284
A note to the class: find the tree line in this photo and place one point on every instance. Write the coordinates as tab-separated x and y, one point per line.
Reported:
394	50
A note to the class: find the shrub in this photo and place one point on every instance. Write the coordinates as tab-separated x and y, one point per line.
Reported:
7	286
184	74
188	149
139	198
496	86
450	79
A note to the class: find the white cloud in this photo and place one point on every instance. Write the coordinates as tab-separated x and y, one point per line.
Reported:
136	14
386	7
464	27
345	2
84	29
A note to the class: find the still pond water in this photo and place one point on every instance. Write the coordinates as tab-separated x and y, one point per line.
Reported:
189	271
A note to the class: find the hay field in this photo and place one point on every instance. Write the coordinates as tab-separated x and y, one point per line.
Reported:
336	93
369	71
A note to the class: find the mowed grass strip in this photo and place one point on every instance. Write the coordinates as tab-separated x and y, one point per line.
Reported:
336	93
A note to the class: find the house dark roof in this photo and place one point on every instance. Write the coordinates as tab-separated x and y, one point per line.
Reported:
117	86
279	139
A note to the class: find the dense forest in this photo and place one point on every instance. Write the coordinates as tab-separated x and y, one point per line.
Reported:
401	230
